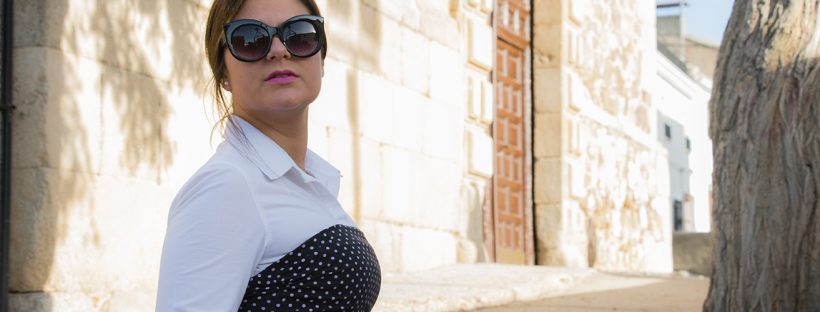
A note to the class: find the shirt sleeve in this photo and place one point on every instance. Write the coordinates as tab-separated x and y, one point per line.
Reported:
214	239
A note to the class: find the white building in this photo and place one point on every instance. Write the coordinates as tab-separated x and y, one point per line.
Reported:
683	118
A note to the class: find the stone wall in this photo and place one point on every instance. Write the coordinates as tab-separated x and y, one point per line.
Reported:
113	115
601	180
405	104
110	121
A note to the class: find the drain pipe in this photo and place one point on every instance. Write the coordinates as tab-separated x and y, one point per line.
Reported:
5	154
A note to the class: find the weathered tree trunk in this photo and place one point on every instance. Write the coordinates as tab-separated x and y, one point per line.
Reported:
765	125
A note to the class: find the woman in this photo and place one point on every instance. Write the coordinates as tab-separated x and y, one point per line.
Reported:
258	227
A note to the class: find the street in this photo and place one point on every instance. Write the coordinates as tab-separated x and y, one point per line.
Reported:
616	292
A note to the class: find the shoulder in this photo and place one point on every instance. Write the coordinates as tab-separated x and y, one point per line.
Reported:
218	186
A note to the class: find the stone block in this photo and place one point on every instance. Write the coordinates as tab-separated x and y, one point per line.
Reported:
424	249
549	220
576	175
474	96
415	60
318	139
338	98
385	239
371	179
343	155
39	23
134	114
33	100
192	138
467	251
480	154
57	121
436	6
575	254
446	75
389	49
408	119
579	10
657	257
574	47
124	300
443	132
406	12
137	36
548	137
87	301
71	232
35	224
344	45
548	12
487	102
486	6
102	242
549	90
548	46
392	9
437	189
375	107
401	170
369	24
578	95
441	27
561	236
46	302
574	221
549	181
480	43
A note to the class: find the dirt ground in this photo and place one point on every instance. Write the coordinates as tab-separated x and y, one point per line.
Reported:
614	292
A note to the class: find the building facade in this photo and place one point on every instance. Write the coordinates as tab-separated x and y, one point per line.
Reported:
465	131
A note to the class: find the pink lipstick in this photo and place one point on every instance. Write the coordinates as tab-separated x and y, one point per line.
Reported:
281	77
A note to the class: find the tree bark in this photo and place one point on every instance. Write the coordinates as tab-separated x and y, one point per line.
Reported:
765	126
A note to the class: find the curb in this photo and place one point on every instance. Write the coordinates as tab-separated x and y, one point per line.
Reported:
473	286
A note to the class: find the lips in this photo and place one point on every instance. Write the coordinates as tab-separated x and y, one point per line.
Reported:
281	76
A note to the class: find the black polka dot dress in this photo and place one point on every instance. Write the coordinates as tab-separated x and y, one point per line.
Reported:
335	270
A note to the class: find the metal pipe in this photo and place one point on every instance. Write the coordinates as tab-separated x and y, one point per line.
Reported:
532	134
5	153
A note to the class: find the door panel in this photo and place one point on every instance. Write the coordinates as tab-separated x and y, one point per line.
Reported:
513	241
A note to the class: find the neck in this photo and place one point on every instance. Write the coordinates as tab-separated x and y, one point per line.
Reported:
289	132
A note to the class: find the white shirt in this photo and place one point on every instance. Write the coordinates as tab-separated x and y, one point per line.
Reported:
247	207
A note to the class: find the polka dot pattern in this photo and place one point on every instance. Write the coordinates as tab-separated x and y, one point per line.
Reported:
335	270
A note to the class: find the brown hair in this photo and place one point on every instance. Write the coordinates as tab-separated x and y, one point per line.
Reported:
222	12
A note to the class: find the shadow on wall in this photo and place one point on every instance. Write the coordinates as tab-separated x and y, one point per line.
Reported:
361	55
92	80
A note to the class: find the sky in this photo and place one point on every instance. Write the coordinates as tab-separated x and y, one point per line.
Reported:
704	19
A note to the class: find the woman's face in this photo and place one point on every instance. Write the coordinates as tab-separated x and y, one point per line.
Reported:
297	81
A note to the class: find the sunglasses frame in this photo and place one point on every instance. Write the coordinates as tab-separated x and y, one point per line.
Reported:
273	31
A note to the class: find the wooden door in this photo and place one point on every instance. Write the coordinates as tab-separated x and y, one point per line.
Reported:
511	214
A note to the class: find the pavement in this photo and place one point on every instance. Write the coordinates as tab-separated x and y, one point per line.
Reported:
498	287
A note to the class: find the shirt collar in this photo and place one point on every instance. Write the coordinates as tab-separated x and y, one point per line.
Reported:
270	158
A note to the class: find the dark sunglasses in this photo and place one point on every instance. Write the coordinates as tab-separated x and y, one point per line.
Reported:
250	40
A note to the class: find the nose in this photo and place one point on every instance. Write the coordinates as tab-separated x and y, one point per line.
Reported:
277	50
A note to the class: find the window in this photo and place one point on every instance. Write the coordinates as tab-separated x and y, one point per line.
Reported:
678	215
688	145
667	131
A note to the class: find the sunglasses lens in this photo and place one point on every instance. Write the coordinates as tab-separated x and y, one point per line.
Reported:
250	42
302	39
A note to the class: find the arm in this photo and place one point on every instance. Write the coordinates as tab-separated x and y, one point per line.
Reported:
215	238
